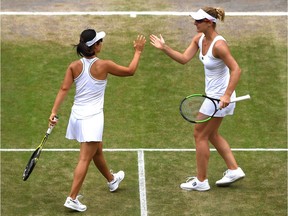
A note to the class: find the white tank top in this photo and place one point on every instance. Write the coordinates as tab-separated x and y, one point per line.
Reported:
89	96
217	74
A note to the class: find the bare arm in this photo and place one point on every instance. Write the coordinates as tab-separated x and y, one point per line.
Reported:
119	70
64	89
182	58
221	50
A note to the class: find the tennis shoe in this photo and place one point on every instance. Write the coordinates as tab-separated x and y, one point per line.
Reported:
230	176
192	183
75	204
114	184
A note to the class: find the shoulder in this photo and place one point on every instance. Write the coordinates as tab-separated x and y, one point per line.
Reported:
75	64
104	63
75	68
197	37
220	48
220	44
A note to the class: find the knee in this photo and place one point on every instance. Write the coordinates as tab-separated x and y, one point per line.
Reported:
99	151
85	160
196	133
213	138
199	136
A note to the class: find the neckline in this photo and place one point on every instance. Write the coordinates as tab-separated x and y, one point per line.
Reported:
212	43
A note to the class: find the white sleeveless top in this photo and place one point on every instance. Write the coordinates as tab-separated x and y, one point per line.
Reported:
89	96
217	74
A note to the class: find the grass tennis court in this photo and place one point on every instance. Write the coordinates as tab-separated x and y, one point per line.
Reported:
141	112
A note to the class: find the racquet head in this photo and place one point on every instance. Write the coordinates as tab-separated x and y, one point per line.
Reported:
198	108
31	163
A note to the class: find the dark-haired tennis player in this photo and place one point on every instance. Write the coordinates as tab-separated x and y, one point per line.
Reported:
222	74
87	119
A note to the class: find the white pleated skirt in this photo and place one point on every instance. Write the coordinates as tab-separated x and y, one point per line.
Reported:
86	130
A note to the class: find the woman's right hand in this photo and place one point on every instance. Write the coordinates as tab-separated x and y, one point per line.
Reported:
53	119
157	42
139	43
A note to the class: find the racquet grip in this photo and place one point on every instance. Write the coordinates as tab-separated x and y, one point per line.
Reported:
52	126
245	97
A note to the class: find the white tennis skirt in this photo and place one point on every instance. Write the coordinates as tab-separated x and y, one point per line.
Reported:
86	130
208	109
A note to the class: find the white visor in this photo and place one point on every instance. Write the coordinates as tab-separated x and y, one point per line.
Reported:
201	14
99	35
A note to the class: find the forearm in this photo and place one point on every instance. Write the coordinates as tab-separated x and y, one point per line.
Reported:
135	61
175	55
234	79
59	99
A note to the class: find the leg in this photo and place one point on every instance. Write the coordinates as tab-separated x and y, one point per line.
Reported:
113	179
202	132
100	163
87	151
223	149
234	173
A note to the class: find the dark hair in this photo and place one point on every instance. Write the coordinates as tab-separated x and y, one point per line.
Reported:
81	48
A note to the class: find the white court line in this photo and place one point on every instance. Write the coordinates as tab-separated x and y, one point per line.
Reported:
141	163
142	183
130	13
152	150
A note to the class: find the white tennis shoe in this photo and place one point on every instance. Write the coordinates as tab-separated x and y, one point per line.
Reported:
230	176
192	183
114	184
75	204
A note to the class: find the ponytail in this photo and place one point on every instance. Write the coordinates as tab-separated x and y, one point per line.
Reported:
216	12
220	14
83	50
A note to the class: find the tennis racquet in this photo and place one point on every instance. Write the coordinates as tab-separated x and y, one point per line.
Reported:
199	108
36	154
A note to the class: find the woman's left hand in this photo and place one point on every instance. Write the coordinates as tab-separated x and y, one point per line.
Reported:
224	101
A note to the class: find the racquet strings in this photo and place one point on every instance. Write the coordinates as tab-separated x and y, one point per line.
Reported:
195	108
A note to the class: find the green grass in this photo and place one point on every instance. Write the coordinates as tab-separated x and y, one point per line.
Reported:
262	192
141	112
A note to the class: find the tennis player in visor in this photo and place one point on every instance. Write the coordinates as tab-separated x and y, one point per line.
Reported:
222	74
89	74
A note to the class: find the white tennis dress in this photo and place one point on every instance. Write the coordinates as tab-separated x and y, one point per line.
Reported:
217	77
86	121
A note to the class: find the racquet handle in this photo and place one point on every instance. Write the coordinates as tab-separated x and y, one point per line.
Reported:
52	126
245	97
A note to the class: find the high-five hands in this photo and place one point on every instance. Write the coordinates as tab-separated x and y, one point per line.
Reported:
139	43
157	42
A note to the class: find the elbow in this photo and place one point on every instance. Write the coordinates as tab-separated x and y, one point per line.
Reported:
183	61
64	88
239	71
236	71
131	72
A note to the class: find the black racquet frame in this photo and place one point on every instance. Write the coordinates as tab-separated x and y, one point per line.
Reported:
36	154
